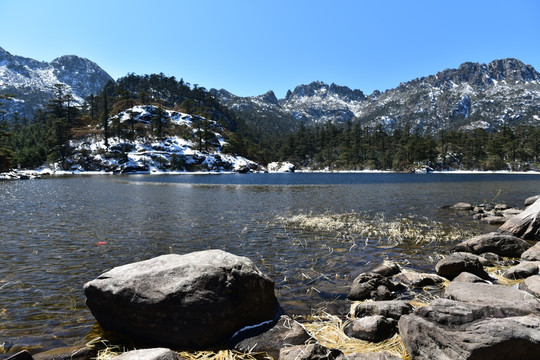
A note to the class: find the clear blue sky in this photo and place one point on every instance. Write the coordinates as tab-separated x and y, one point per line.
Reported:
249	47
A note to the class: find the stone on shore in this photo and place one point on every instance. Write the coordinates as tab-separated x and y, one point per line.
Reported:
531	285
379	355
531	200
468	278
387	269
149	354
449	329
525	225
309	352
500	244
375	328
532	254
390	309
372	286
521	271
462	206
416	279
271	339
68	353
499	296
494	220
456	263
189	301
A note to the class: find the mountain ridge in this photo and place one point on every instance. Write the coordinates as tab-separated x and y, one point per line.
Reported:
31	81
504	91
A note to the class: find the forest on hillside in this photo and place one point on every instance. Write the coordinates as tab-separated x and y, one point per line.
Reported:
30	143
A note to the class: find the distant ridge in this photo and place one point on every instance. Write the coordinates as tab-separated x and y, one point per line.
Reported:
32	81
488	96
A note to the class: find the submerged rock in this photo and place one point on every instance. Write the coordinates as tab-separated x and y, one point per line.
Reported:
190	301
500	244
386	269
372	286
462	206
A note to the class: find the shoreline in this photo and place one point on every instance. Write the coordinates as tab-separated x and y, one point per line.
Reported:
37	173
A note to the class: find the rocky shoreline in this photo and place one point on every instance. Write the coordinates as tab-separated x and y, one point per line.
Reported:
487	307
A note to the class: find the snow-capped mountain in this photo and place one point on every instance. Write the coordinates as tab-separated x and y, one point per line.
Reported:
32	81
180	148
474	95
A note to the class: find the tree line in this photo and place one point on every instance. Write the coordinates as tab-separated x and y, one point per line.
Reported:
348	146
355	147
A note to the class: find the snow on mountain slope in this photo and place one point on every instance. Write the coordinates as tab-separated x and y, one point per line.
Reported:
32	81
171	152
474	95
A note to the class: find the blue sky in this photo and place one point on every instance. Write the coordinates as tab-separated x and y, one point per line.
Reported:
249	47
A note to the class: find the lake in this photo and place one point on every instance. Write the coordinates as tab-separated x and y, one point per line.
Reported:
312	233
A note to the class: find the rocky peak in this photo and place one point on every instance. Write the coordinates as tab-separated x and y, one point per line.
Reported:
84	76
346	93
32	81
482	76
269	97
512	70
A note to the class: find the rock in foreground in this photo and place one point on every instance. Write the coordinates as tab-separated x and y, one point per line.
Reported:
450	330
189	301
526	225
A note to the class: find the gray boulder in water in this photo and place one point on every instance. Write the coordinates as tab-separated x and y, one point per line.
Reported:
500	244
189	301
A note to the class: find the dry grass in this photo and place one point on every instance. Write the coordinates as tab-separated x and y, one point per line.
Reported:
387	233
498	270
328	331
221	355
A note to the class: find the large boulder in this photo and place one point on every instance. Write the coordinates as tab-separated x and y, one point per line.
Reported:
456	263
189	301
518	301
500	244
450	330
525	225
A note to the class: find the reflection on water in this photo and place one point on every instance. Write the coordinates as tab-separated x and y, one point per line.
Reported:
58	233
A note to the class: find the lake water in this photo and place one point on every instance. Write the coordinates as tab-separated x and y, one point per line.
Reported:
306	231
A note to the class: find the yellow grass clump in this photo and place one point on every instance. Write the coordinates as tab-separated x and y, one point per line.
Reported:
328	331
353	226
